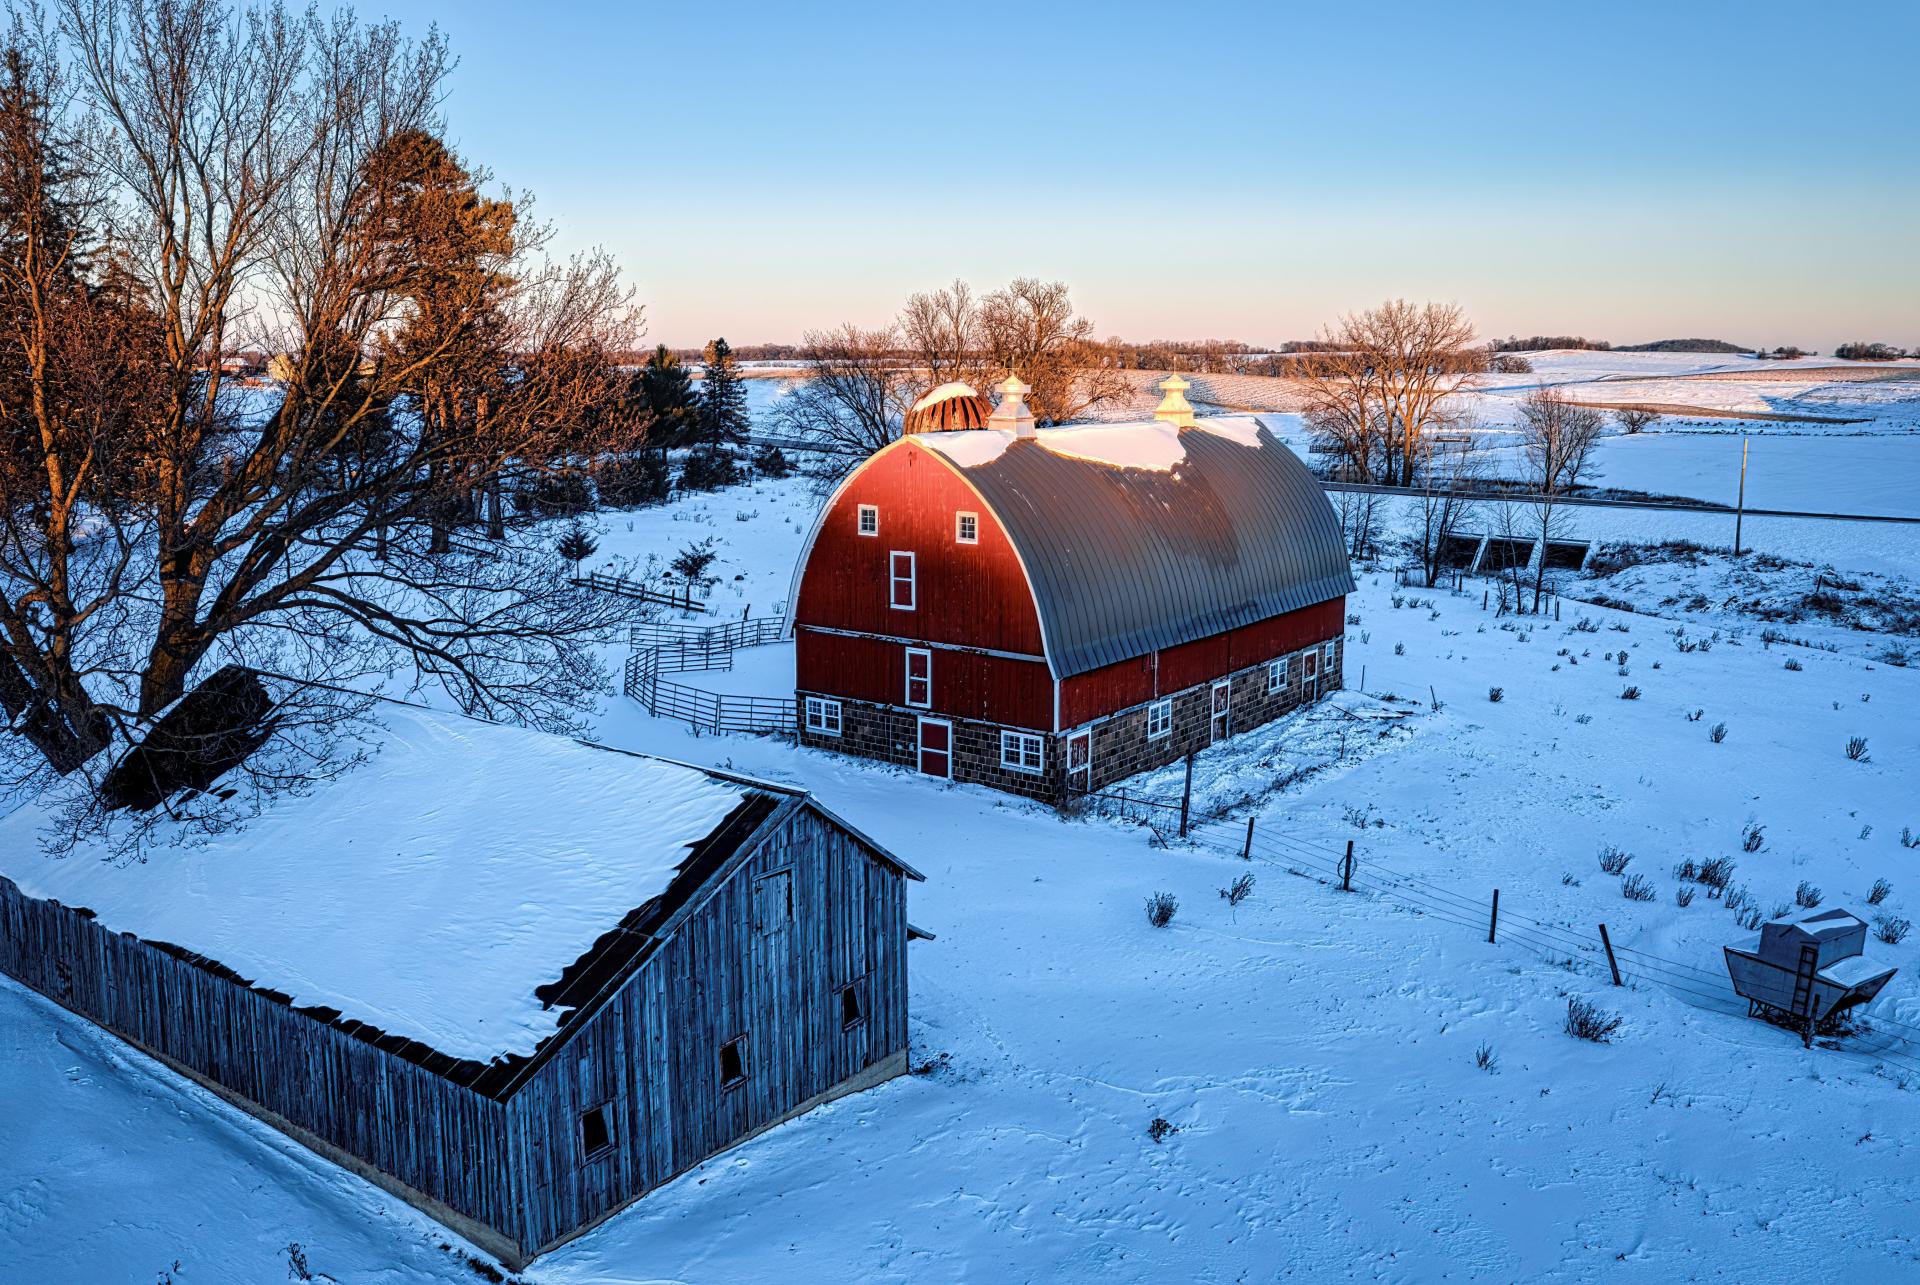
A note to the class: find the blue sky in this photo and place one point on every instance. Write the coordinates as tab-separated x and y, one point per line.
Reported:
1625	171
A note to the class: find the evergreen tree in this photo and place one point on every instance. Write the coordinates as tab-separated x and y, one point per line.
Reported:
667	391
723	400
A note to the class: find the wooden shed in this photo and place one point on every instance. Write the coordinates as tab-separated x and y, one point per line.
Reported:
1047	611
517	979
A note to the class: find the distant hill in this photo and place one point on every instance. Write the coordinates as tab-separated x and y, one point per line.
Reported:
1685	345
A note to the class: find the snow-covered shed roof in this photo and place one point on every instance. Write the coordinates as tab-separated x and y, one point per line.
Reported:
1137	537
444	891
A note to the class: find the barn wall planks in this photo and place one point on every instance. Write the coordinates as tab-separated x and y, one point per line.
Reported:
763	957
762	952
432	1135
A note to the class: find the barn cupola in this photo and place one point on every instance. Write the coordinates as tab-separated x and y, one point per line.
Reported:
1012	413
1174	408
948	408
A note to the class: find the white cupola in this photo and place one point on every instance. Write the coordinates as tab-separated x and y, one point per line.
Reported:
1174	408
1012	411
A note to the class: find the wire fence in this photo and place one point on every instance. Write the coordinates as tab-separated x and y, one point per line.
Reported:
1878	1036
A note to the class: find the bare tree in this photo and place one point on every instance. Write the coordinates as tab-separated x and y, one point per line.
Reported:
1383	380
1634	419
1030	329
1444	503
239	162
1557	437
854	398
940	331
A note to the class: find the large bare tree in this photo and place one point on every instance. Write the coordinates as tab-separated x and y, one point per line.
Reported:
1383	380
1557	438
258	175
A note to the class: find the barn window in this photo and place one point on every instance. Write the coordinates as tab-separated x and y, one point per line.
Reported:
919	678
1276	676
966	528
1159	719
869	519
1021	752
733	1062
853	1004
823	716
596	1131
900	593
1329	653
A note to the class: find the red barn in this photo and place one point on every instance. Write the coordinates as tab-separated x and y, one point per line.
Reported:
1047	611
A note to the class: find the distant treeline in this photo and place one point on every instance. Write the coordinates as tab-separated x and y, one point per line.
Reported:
1862	351
1686	345
1540	343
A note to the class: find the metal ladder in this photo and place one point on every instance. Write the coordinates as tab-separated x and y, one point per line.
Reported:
1803	990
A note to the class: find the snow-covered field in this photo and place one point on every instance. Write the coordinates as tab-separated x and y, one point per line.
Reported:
1315	1051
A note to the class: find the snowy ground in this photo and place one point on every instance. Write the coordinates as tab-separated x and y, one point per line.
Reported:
1315	1050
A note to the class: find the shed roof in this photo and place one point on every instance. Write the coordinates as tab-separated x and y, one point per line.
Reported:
1140	537
458	898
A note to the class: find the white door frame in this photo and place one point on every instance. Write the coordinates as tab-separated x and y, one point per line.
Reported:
1219	713
919	746
1084	770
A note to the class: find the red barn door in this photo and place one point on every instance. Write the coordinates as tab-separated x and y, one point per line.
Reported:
936	747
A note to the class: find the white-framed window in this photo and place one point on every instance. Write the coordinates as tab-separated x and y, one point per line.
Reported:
1327	652
1276	676
919	678
901	591
823	716
966	528
869	522
1022	752
1159	719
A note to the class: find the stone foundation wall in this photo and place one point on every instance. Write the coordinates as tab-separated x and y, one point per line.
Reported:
1121	748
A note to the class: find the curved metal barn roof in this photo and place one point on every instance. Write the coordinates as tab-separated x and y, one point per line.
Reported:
1127	560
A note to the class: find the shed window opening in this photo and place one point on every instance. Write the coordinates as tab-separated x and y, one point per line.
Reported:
1159	719
900	593
733	1062
853	1005
823	716
966	528
596	1131
869	519
1021	752
919	678
1276	676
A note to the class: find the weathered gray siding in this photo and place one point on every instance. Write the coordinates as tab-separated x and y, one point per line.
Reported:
430	1134
735	965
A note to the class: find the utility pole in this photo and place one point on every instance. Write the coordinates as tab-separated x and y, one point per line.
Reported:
1740	512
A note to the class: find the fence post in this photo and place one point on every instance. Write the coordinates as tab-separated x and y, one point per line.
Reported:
1612	963
1186	797
1493	923
1246	853
1346	870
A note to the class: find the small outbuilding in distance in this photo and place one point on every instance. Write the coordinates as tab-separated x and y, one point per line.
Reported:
1048	611
515	979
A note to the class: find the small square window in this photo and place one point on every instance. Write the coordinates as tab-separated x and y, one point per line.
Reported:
869	519
1159	719
853	1005
733	1062
966	528
1022	752
823	716
1276	676
596	1131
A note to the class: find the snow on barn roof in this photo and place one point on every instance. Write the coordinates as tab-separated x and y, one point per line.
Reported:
430	891
1137	537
